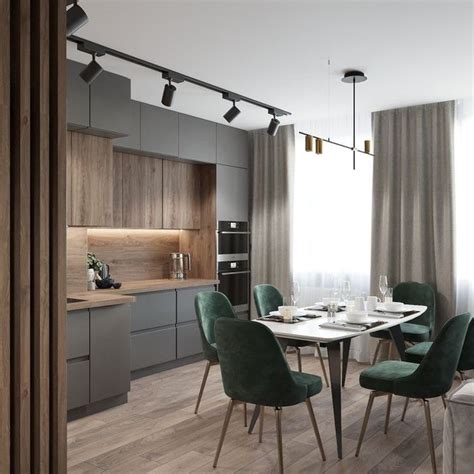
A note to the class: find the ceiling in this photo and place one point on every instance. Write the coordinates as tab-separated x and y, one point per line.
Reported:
277	52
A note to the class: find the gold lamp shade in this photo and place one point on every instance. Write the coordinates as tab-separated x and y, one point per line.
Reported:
319	146
309	143
367	146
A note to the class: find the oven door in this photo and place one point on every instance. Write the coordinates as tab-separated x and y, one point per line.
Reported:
235	285
233	245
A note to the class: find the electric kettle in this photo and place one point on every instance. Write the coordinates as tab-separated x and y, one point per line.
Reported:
180	265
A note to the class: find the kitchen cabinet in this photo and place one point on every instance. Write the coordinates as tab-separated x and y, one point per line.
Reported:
197	139
181	195
158	130
132	140
154	310
78	334
142	196
232	146
188	340
232	193
185	303
77	101
77	384
153	347
109	351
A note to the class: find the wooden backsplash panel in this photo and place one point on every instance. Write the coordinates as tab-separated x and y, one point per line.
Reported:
134	254
76	252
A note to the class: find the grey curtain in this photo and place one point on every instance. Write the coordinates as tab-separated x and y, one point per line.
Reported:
271	174
413	209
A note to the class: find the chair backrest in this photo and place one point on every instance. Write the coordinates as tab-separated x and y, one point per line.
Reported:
466	361
254	369
412	292
434	376
211	305
267	298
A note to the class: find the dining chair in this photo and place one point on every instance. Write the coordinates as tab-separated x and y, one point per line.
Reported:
421	328
417	353
268	298
254	370
430	379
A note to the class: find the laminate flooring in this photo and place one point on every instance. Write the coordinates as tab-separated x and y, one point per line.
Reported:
157	431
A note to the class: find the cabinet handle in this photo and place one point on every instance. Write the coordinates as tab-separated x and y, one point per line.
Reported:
234	273
230	232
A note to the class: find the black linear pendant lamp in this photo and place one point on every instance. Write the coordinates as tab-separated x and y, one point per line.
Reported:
75	18
168	94
273	125
92	71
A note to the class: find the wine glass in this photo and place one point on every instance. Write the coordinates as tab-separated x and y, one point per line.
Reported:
346	290
295	293
383	285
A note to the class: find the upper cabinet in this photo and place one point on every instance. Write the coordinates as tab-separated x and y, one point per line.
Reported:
77	97
232	146
159	130
232	193
132	140
197	139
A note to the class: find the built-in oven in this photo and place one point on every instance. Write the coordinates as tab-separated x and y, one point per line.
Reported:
233	241
234	282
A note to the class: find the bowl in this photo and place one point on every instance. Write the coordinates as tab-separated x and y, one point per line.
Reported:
393	306
356	316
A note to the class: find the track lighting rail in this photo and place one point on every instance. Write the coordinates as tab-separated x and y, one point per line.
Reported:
168	74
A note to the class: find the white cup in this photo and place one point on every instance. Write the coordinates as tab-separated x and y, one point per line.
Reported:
287	312
372	303
359	303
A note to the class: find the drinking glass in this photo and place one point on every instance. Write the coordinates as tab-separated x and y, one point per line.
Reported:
295	293
383	285
346	290
389	295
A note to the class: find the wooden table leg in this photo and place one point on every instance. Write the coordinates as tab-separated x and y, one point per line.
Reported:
397	336
346	345
334	358
254	419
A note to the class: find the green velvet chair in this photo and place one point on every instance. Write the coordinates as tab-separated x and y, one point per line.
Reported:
254	370
429	379
210	305
421	328
268	298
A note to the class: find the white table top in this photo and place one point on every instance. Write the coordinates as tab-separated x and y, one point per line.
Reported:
311	330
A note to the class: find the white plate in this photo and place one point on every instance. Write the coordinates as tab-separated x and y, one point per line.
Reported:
300	312
363	321
401	309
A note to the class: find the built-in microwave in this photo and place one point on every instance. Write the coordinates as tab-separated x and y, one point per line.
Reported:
233	240
234	282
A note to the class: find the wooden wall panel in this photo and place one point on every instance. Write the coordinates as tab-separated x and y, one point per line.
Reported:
76	259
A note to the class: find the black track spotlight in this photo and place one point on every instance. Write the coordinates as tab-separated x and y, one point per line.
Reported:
90	73
232	113
168	94
273	126
75	18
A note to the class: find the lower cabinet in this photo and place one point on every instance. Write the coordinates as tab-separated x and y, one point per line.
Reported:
152	347
188	340
77	384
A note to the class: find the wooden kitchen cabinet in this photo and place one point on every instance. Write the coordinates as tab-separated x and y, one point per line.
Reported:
142	197
181	195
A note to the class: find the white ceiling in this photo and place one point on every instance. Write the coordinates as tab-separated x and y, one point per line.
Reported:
276	52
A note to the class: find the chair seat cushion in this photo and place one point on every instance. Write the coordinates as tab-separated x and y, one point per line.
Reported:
417	352
410	331
382	375
313	383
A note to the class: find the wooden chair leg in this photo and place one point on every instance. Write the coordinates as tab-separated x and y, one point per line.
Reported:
279	438
443	398
203	384
315	428
405	407
323	367
387	414
429	429
377	351
366	419
462	375
245	415
298	355
260	424
390	347
224	430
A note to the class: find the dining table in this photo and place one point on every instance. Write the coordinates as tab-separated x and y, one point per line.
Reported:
333	338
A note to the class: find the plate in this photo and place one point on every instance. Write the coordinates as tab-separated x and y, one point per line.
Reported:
401	309
300	312
363	321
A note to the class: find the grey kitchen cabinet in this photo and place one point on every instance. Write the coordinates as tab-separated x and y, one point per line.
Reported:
110	105
153	310
197	139
232	146
185	303
188	340
77	384
77	97
232	193
158	130
132	140
151	348
109	351
77	333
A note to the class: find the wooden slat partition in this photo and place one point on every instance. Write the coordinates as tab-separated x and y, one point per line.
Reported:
32	236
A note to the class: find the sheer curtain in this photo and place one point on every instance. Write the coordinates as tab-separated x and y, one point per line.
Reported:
332	216
464	200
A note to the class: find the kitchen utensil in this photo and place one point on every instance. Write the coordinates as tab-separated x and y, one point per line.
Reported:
180	265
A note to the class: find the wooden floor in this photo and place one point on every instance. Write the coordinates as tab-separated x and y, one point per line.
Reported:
157	431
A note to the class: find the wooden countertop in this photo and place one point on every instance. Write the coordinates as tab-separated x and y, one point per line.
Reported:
97	298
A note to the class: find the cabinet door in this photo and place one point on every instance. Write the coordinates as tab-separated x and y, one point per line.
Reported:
142	181
109	352
132	140
77	97
197	139
90	176
77	384
153	347
158	130
188	340
153	310
232	146
185	303
77	333
110	105
181	195
232	193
